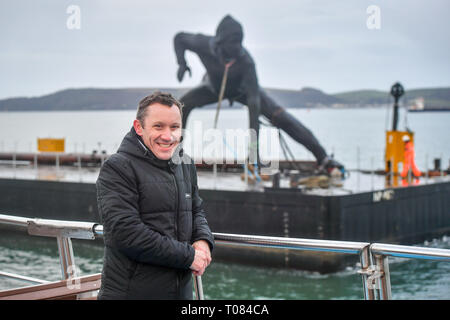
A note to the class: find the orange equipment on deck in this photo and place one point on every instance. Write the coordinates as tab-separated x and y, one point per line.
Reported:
395	149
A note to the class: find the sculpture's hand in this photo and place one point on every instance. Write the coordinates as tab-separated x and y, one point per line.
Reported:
181	70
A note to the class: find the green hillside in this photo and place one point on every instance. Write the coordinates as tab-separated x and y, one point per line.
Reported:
433	97
364	97
128	98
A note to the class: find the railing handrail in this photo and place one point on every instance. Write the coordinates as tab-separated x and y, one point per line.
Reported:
377	270
21	222
291	243
253	240
411	252
256	240
279	242
50	227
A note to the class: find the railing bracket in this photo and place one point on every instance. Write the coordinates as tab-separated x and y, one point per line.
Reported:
372	274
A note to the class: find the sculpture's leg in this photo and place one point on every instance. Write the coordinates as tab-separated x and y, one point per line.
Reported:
253	124
280	118
195	98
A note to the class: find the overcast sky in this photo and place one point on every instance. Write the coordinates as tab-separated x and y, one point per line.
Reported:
321	44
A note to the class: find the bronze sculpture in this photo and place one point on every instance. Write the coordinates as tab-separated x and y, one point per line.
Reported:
225	49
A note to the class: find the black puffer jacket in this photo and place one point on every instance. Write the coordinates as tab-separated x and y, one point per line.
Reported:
151	213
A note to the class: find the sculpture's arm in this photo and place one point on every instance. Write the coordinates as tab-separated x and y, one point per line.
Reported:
183	41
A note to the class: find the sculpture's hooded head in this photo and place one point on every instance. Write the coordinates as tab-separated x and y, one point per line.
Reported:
228	39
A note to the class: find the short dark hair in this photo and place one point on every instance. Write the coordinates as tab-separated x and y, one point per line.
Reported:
157	97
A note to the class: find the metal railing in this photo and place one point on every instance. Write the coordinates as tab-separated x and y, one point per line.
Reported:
373	257
380	253
360	248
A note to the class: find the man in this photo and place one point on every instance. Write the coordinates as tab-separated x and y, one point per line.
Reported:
225	49
155	230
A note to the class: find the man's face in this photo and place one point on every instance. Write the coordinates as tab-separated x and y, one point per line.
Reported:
161	130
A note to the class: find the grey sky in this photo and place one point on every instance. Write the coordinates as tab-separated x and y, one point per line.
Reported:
321	44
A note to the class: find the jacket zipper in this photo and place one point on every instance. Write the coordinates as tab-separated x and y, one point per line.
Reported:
177	205
177	208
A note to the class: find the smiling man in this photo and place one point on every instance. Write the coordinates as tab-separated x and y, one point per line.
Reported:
155	230
159	127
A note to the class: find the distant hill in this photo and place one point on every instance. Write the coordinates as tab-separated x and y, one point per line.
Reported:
83	99
304	98
128	98
364	97
434	97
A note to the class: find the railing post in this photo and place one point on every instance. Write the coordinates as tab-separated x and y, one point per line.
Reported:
198	287
364	257
66	257
384	280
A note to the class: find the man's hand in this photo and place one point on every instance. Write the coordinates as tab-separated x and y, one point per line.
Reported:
181	71
199	264
202	245
202	257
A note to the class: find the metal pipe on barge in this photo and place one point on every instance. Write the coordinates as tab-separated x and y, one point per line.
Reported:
65	159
